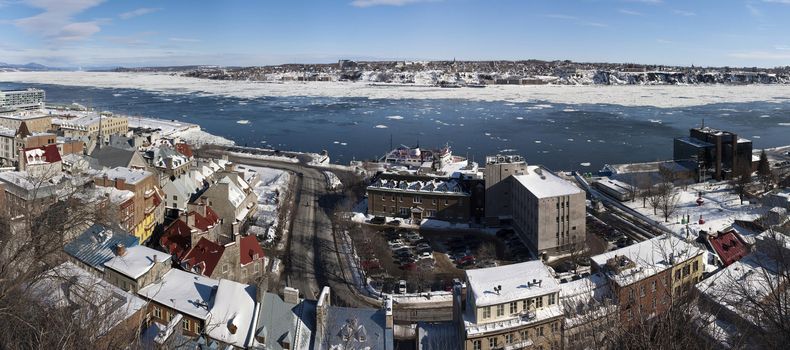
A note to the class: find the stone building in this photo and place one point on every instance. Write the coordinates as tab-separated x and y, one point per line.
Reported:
419	199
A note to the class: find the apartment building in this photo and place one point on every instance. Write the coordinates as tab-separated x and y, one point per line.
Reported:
509	307
498	198
146	198
92	125
14	100
647	276
418	199
36	120
548	212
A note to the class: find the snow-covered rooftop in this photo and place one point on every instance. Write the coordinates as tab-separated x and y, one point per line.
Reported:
544	184
137	261
131	176
649	257
183	291
234	314
516	281
431	186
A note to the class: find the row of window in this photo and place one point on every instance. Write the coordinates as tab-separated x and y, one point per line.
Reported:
523	336
687	270
186	324
414	199
513	308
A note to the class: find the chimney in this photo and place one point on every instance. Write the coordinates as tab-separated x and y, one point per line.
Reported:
388	312
22	164
120	249
321	308
190	219
291	295
120	183
156	259
232	328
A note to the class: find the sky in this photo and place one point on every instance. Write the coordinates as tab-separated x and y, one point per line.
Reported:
91	33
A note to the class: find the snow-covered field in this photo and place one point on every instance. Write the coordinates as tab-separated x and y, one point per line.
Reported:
271	191
720	209
627	95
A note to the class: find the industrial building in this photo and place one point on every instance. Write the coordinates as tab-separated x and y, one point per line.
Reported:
718	154
498	187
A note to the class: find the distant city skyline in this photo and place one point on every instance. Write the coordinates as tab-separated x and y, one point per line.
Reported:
74	33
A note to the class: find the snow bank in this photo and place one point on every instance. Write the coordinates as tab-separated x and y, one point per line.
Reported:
197	138
265	157
271	189
627	95
333	181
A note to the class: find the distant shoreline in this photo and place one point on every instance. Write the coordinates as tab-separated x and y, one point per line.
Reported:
661	96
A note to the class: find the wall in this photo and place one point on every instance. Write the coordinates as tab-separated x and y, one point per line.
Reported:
447	206
636	306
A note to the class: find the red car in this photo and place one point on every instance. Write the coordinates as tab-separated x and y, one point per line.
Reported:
466	260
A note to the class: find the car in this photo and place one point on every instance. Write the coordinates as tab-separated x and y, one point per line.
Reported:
487	263
404	253
395	222
413	236
465	260
425	255
505	233
396	244
423	246
402	287
378	220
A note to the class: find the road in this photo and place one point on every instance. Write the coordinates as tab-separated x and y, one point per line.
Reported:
312	259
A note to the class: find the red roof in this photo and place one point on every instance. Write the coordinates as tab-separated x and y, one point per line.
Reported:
203	222
250	250
51	153
184	149
729	247
205	255
177	238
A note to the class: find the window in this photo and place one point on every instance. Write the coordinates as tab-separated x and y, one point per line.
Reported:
653	286
654	303
477	345
157	312
417	199
185	324
513	307
677	274
404	211
433	201
197	328
224	268
384	208
524	334
486	312
500	310
551	299
524	304
508	338
686	270
492	342
642	291
170	316
540	331
400	198
630	314
175	198
539	302
631	294
446	202
431	213
695	266
384	197
555	327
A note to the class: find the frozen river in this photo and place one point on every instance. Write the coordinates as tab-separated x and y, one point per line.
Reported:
559	135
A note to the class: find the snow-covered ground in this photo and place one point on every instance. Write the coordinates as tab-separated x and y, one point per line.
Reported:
190	133
333	181
627	95
265	157
271	191
720	208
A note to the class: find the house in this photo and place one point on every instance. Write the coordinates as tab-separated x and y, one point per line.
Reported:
167	160
286	324
510	306
115	313
233	315
728	246
590	316
148	208
136	267
97	245
646	277
241	260
40	161
181	294
109	202
25	192
234	201
347	327
184	233
111	157
178	192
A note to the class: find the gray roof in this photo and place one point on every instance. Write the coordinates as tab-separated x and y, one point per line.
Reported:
364	328
279	319
96	245
112	157
437	336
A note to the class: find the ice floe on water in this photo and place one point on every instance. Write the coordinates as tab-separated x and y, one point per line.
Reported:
243	122
657	121
765	116
569	110
659	96
380	126
395	117
538	141
784	124
519	118
584	164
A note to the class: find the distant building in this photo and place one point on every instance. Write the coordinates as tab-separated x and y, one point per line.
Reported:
419	199
12	100
95	126
36	120
509	307
548	212
111	157
720	154
234	201
146	197
498	195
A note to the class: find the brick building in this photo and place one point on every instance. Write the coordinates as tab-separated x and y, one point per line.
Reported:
146	199
418	199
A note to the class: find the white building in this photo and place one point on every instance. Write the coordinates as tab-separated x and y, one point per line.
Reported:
21	99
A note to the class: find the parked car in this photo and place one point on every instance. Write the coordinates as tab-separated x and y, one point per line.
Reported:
396	244
402	287
395	222
404	253
413	236
425	255
465	260
423	247
378	220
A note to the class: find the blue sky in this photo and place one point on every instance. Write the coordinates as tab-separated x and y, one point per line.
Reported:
233	32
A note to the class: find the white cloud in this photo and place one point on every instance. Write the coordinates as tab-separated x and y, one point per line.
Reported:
56	22
594	24
138	12
629	12
685	13
371	3
185	40
761	55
